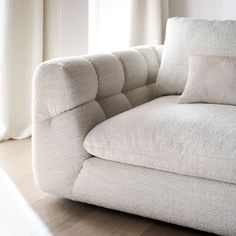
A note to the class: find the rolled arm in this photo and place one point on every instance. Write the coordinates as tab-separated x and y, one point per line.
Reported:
72	95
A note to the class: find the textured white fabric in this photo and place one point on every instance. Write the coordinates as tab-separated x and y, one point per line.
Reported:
193	202
190	139
186	37
115	25
72	95
135	68
211	79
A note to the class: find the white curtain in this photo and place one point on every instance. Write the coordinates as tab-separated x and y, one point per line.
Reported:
24	43
148	21
115	25
20	52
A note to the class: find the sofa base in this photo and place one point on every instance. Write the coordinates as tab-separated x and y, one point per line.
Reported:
189	201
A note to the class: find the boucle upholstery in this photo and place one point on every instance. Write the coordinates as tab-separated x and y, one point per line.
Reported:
186	37
189	139
211	79
72	95
194	202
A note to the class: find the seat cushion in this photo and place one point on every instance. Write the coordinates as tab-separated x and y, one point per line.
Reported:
189	139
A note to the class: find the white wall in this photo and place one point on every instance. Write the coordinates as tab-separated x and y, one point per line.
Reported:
209	9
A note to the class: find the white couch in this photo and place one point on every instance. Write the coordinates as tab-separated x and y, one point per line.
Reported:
102	135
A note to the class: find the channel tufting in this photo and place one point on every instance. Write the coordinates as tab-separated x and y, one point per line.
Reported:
125	79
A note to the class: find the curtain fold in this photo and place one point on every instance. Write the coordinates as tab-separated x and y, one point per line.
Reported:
20	52
120	24
28	35
148	21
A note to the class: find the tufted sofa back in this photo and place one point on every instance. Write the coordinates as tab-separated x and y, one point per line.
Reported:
126	78
117	81
72	95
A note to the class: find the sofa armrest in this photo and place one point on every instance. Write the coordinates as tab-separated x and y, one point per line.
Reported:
72	95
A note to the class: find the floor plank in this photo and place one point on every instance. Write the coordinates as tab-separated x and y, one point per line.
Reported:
67	218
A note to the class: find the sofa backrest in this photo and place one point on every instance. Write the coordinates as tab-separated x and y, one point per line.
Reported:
126	78
186	37
117	81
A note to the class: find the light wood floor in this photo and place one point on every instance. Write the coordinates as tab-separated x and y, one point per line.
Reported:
64	217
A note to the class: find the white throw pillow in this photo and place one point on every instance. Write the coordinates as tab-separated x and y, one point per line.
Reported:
186	37
211	79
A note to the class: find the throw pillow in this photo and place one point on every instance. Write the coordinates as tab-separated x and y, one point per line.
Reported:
211	79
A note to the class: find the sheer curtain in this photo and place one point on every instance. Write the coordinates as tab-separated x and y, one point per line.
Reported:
148	21
20	52
120	24
24	43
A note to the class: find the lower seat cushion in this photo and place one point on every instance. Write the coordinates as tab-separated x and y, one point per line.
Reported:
189	139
